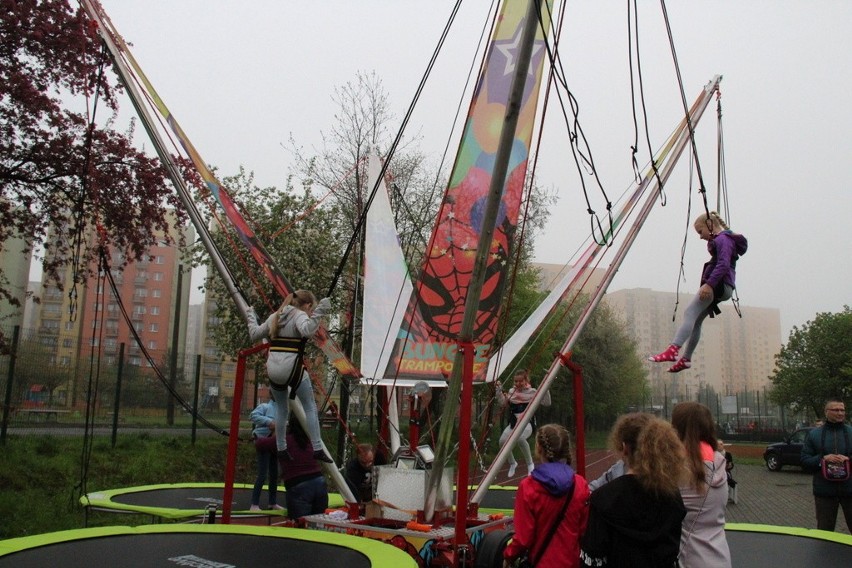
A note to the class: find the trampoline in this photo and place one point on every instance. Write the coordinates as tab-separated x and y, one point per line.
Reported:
499	499
181	501
200	546
769	545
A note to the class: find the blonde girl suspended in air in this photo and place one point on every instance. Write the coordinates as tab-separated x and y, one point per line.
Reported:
718	281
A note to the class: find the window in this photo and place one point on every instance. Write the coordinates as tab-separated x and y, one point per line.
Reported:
139	310
66	342
158	276
159	259
154	327
155	310
140	293
152	345
156	293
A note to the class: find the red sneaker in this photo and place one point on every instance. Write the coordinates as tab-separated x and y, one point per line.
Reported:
682	363
669	354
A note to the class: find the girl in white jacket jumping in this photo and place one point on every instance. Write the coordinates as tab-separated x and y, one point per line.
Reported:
288	330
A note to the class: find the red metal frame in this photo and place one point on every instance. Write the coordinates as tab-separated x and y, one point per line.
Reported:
234	432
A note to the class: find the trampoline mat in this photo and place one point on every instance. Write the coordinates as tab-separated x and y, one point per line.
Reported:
772	549
201	550
190	498
499	499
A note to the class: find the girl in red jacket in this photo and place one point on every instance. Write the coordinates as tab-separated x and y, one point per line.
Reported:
551	506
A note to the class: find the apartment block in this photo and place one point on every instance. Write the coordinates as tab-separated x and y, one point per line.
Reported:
85	320
15	258
735	354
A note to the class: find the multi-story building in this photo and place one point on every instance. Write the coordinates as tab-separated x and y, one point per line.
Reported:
89	319
15	257
218	369
734	355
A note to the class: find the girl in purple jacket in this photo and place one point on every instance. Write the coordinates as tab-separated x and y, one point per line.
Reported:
717	285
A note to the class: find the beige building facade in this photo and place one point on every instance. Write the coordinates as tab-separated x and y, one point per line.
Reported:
734	355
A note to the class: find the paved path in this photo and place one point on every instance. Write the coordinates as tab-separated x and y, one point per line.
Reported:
775	498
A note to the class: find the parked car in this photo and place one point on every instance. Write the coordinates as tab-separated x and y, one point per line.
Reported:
788	452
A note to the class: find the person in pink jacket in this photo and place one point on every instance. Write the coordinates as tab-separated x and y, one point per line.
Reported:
551	506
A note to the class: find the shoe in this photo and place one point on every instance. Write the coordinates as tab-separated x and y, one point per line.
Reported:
254	509
682	363
319	455
284	455
276	507
669	354
512	467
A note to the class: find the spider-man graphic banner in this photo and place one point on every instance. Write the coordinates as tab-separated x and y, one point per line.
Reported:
426	343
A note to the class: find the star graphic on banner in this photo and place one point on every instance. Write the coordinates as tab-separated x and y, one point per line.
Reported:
510	48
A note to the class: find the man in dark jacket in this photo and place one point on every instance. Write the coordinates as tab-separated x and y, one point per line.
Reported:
827	447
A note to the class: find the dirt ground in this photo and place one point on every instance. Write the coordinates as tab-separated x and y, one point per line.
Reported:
746	450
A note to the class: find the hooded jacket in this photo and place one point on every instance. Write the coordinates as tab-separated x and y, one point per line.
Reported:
630	527
703	542
538	501
725	249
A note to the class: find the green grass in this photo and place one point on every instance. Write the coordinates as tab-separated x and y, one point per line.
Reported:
41	479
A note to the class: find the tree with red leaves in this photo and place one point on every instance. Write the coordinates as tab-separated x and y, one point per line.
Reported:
69	182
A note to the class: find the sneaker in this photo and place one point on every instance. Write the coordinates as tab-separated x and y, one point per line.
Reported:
512	467
284	455
254	509
669	354
682	363
319	455
276	507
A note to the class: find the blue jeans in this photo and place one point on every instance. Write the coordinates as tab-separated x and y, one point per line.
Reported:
266	462
305	394
309	497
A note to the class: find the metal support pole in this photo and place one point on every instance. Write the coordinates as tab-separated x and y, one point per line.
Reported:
117	404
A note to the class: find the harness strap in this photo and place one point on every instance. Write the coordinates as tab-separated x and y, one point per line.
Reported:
291	345
288	344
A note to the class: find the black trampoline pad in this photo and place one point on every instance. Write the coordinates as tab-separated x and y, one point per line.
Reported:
184	498
197	550
499	499
791	551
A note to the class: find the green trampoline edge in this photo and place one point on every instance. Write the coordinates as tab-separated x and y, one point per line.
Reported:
378	553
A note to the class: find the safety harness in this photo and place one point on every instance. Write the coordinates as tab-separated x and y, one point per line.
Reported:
290	345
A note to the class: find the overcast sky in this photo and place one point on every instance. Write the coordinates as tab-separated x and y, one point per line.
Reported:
242	77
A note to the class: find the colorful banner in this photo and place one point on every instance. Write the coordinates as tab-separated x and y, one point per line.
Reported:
426	343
